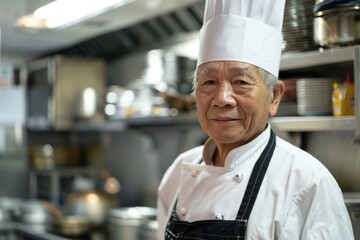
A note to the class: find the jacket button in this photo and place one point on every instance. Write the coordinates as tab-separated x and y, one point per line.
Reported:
219	216
183	211
194	173
238	177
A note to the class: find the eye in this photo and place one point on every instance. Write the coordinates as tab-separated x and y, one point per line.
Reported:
209	82
241	82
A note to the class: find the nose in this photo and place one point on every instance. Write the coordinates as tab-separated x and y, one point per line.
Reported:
224	96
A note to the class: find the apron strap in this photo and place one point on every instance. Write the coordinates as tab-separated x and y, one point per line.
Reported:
256	178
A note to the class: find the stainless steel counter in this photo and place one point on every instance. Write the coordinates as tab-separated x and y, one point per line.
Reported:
18	231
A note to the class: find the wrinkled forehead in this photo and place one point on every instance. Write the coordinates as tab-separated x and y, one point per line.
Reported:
237	68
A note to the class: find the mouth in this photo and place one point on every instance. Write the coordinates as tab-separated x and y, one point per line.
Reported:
225	119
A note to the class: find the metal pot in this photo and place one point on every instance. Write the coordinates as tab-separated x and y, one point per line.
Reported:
125	223
8	209
72	226
37	215
148	230
92	205
336	24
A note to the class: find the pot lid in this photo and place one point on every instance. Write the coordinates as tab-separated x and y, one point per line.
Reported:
331	4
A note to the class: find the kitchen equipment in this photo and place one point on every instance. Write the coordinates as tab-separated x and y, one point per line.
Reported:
87	104
314	96
91	205
39	215
8	208
50	156
148	230
53	84
125	222
336	22
72	226
298	26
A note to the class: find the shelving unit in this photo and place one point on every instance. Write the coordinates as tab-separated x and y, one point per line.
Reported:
122	124
54	179
290	62
298	61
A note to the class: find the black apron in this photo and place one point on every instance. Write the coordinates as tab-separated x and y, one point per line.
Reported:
225	229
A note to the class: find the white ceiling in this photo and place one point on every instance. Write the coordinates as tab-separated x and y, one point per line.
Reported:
33	43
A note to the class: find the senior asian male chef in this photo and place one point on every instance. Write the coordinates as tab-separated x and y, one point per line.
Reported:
245	182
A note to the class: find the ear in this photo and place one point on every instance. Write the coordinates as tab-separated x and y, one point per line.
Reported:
277	94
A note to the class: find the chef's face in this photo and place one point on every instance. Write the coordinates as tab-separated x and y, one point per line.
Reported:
233	101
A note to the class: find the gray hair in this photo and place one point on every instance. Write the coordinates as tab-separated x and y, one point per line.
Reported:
269	79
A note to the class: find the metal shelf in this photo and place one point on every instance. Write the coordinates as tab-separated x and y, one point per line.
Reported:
293	61
313	123
322	57
122	124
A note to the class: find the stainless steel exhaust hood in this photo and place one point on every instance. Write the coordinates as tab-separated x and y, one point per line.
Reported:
157	32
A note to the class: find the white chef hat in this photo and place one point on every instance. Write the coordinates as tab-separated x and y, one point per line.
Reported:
243	30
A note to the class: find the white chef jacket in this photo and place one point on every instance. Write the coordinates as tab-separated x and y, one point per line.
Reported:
298	198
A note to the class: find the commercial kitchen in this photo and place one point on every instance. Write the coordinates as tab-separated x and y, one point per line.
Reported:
93	112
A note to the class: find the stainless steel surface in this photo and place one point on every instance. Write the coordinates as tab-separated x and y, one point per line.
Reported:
357	92
315	123
339	153
337	26
87	104
352	202
350	54
49	184
53	84
298	25
125	223
148	230
32	45
92	205
18	231
34	214
296	61
72	226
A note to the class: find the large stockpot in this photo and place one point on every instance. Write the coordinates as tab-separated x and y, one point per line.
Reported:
336	24
125	223
148	230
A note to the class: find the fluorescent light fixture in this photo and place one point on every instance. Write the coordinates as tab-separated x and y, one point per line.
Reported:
63	13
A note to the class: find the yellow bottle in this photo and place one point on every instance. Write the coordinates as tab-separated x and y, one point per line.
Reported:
344	98
337	97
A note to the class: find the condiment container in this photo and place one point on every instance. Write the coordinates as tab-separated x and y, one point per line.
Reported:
344	98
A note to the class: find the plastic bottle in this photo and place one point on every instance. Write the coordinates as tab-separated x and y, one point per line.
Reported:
337	97
344	98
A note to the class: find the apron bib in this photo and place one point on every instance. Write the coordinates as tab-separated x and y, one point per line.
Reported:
225	229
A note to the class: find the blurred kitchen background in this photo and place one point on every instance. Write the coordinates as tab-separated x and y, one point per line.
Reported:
93	112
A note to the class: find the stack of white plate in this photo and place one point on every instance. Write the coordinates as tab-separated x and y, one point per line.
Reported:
314	96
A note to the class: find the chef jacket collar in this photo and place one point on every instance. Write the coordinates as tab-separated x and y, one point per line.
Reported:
238	156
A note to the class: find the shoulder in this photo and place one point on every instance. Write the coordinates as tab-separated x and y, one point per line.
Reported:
299	159
300	170
172	174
